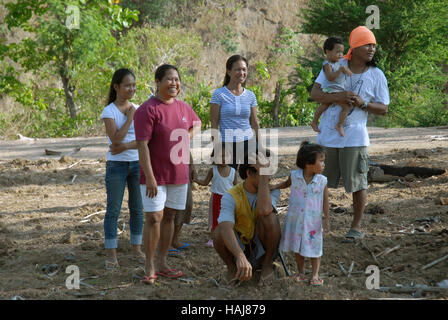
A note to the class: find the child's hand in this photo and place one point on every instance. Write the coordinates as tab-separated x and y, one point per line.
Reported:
346	71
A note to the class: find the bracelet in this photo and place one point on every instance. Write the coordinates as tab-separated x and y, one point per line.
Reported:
363	106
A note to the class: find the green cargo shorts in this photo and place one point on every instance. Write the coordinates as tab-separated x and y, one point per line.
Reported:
350	163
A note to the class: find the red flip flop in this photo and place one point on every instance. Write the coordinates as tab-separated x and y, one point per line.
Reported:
148	279
170	273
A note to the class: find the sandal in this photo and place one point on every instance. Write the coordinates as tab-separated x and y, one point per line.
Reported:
149	279
170	273
184	246
316	282
300	278
353	235
111	265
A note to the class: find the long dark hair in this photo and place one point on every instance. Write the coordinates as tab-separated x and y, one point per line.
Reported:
229	65
117	78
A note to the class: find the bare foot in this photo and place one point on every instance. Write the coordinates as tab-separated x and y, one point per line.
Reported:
340	129
267	275
315	126
230	278
176	244
150	276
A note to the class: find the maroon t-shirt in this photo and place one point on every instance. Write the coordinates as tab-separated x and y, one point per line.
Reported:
166	126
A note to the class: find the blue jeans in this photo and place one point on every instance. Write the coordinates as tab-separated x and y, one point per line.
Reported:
118	173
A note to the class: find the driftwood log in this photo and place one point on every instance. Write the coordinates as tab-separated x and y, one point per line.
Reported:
386	173
420	172
421	288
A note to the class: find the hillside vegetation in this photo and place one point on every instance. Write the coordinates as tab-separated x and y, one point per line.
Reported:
54	79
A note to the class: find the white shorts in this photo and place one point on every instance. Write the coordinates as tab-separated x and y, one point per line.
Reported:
173	196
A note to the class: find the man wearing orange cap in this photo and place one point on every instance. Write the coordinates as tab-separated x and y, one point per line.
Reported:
367	92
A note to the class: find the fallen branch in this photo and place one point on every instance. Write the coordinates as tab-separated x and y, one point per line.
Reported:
20	137
370	251
94	214
342	268
438	138
429	265
399	298
351	269
414	234
417	171
52	152
421	288
387	251
74	164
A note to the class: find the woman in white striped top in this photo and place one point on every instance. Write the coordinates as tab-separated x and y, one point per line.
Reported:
234	109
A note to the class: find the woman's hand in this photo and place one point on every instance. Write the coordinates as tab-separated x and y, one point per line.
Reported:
346	97
130	111
358	101
151	188
116	148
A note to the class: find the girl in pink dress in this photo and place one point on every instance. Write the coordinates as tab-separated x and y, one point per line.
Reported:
302	231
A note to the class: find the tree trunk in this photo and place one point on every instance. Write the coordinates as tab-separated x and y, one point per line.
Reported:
278	88
68	90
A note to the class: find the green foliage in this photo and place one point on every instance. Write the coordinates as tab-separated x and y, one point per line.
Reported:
69	39
295	109
199	99
262	71
229	41
93	55
411	50
167	13
144	49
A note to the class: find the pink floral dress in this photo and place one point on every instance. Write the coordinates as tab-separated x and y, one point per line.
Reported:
302	231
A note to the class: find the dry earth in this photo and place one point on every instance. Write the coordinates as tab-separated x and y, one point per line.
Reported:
52	210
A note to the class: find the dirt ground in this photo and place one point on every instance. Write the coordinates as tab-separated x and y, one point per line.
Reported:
52	211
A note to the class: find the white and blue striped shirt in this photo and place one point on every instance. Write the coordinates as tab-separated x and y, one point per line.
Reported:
234	115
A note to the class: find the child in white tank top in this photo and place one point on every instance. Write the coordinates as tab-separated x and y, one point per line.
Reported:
223	177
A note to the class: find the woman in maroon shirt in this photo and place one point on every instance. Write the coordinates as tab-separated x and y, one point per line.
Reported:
163	129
